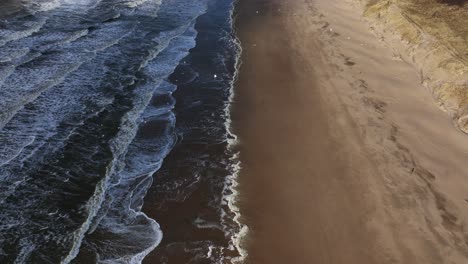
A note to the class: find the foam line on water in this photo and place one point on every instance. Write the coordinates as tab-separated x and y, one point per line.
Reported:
128	132
230	187
45	130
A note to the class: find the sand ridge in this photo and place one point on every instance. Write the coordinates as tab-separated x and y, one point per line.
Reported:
432	35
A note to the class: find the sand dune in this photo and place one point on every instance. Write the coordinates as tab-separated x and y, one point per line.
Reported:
433	35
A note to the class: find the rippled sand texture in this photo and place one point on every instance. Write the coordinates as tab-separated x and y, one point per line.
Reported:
434	35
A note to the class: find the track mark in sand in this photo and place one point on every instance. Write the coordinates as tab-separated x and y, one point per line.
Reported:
374	103
447	211
361	85
334	33
402	153
347	60
450	221
411	189
325	25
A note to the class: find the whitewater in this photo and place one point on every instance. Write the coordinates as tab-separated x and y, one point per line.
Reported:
80	83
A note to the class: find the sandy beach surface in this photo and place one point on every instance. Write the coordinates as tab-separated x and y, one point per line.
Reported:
345	156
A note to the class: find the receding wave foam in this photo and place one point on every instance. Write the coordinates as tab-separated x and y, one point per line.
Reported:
128	186
198	182
230	191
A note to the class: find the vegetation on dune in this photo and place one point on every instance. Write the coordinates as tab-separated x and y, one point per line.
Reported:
436	36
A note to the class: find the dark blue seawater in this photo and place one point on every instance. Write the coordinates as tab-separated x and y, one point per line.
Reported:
94	95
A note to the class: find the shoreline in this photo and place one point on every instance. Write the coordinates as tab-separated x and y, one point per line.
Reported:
194	192
231	192
346	158
321	207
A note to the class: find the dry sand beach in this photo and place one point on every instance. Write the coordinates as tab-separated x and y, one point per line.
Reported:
346	157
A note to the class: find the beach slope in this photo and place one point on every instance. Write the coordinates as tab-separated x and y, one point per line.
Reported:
345	156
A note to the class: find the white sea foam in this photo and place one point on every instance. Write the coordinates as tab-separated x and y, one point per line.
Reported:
231	183
81	49
27	29
31	93
119	146
13	150
175	48
24	253
38	6
135	3
203	224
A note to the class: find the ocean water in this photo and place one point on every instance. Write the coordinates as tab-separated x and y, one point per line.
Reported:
113	113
